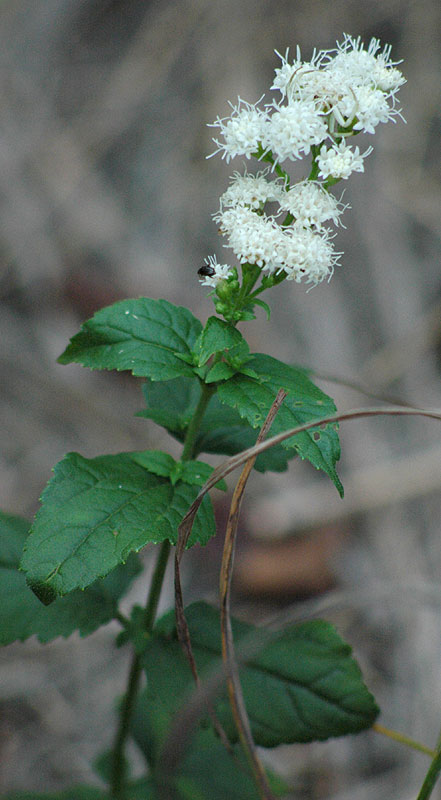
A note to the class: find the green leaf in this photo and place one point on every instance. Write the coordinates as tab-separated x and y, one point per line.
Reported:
302	685
141	789
155	461
196	473
265	307
95	512
144	336
207	771
217	337
219	372
304	402
76	793
134	630
222	431
22	615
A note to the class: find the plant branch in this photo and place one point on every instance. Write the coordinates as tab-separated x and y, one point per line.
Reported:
129	700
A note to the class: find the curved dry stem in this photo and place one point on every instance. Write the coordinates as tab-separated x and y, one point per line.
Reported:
228	655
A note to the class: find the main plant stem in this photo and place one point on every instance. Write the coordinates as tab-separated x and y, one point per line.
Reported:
129	701
117	780
431	778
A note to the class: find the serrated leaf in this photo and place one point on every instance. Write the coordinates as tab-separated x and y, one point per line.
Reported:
172	403
95	512
144	336
196	473
22	615
302	685
76	793
207	771
217	337
303	403
222	430
219	372
156	461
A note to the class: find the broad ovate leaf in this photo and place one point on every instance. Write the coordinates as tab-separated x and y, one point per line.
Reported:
206	770
300	684
252	399
95	512
22	615
150	338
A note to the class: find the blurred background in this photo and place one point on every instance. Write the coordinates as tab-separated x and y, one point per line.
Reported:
106	193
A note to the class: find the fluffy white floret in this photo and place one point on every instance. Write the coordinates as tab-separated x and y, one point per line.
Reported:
250	190
241	131
339	161
362	65
302	253
293	128
311	205
221	271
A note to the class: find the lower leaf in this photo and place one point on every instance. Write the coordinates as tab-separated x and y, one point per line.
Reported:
95	512
301	685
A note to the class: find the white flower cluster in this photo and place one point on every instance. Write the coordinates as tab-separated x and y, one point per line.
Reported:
324	101
302	248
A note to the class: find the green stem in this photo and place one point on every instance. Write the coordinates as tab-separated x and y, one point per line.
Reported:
118	761
129	701
124	621
192	430
431	778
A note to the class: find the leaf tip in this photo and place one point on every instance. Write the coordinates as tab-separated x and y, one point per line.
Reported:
45	593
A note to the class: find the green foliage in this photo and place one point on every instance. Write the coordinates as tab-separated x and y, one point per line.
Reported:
95	512
220	337
206	771
76	793
196	473
151	338
141	789
222	431
22	615
252	398
300	685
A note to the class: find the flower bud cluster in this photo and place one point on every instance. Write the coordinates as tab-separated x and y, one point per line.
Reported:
336	95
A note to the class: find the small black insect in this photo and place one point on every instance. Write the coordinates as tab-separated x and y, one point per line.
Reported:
206	271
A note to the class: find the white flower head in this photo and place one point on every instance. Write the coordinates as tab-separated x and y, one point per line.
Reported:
218	272
371	108
311	204
339	161
367	65
287	74
301	252
250	190
292	129
241	131
309	256
252	237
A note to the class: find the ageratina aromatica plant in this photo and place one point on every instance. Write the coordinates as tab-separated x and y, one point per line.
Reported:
204	689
